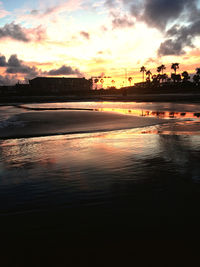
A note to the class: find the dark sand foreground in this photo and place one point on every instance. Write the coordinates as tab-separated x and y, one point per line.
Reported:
43	123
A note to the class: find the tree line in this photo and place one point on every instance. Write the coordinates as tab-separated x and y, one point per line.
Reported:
163	77
160	76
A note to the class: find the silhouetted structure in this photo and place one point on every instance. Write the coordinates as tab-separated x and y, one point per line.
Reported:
60	85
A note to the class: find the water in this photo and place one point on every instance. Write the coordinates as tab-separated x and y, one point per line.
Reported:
96	188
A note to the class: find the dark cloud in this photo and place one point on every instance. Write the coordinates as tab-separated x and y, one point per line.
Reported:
3	61
13	61
86	35
31	71
158	13
17	32
179	37
121	21
171	47
64	70
16	66
13	31
8	80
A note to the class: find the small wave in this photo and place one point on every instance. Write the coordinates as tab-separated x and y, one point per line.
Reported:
46	109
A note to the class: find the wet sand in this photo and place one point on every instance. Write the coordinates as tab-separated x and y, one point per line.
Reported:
43	123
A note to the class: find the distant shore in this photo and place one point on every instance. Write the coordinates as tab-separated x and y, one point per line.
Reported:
182	98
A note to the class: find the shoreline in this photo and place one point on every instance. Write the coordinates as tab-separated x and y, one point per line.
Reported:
46	123
178	98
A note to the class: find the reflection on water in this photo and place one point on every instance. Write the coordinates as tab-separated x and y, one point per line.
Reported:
159	110
149	113
126	177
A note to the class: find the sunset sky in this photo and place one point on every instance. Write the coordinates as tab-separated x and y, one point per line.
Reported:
93	38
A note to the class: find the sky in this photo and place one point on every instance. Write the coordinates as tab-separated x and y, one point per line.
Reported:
87	38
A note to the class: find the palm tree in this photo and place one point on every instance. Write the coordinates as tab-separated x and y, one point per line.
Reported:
158	69
148	74
161	68
143	70
175	66
102	81
130	80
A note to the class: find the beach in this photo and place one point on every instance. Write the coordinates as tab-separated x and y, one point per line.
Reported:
98	178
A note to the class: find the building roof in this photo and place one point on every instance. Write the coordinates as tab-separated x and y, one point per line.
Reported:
57	78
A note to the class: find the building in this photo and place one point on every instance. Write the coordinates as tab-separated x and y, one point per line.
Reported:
60	85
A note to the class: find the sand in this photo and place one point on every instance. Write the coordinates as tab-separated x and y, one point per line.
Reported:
43	123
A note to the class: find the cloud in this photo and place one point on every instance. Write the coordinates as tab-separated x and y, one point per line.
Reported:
64	70
13	31
34	12
179	37
8	80
17	32
121	21
14	66
159	13
3	61
37	34
171	47
86	35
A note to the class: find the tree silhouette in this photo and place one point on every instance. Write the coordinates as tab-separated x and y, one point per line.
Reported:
130	80
158	69
175	66
198	71
148	74
196	77
161	68
164	77
143	70
185	76
96	81
176	77
102	82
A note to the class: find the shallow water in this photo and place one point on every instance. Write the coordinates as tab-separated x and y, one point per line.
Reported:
123	185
